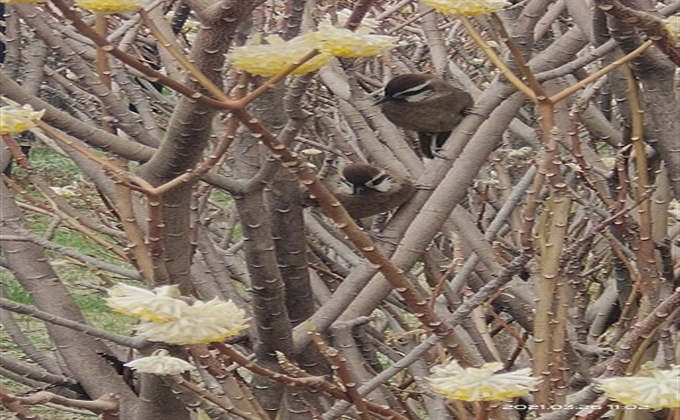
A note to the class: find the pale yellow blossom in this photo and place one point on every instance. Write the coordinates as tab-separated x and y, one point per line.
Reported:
15	119
169	319
608	162
344	43
154	306
277	55
672	26
481	384
202	322
661	389
110	6
160	363
466	7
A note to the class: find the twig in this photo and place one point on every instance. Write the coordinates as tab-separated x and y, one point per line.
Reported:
339	366
305	381
183	61
136	242
332	207
209	396
150	73
496	60
518	57
646	258
640	332
605	70
651	25
132	342
107	405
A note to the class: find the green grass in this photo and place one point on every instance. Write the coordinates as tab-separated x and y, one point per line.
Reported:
54	168
13	291
91	303
94	309
59	171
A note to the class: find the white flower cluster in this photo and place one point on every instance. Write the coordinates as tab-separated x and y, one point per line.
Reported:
160	363
466	7
16	119
277	55
661	389
481	384
169	319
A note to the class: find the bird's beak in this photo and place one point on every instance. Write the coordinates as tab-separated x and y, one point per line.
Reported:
383	100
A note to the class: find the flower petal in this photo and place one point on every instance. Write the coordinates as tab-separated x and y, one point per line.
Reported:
661	390
160	363
271	59
481	384
110	6
15	119
466	7
344	43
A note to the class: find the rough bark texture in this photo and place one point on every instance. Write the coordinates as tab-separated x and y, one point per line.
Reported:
80	354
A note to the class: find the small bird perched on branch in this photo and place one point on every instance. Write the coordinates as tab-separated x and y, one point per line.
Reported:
365	190
426	104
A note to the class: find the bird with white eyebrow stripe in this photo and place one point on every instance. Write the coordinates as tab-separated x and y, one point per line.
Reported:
366	190
426	104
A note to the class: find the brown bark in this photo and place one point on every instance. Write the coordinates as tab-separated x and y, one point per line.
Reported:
79	352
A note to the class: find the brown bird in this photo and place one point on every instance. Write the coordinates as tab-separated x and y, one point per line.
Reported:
365	190
426	104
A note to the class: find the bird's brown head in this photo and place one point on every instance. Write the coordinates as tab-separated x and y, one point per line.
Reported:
412	87
362	177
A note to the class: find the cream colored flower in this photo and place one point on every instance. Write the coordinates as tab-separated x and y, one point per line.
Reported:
466	7
202	322
608	162
672	26
110	6
481	384
273	58
159	363
660	390
171	320
159	305
15	119
344	43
